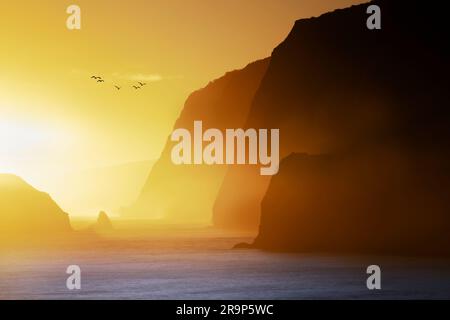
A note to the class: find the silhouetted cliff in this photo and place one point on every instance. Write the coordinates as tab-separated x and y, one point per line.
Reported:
385	199
27	212
187	192
335	85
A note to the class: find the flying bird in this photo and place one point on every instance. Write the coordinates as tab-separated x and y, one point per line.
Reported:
101	80
136	87
142	84
118	88
95	77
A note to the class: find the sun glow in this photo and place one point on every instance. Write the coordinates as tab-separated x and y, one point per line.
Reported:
23	144
18	137
57	123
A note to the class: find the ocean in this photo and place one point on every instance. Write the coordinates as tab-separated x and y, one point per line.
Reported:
204	266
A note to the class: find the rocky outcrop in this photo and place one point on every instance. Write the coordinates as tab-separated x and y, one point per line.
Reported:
28	213
103	223
334	85
186	193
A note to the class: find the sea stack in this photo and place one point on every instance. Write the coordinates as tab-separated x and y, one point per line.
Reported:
103	223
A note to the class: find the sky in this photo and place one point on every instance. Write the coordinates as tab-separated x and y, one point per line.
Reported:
54	119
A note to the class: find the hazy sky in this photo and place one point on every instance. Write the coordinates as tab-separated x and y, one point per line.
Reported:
54	118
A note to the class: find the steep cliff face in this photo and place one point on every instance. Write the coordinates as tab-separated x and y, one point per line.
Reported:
186	193
333	85
385	199
25	211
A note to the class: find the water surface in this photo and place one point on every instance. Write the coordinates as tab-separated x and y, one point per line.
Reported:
203	267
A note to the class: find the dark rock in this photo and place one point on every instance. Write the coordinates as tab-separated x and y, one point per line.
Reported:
103	223
243	245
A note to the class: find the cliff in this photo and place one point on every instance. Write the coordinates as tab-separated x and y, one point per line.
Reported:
186	193
26	212
382	200
334	85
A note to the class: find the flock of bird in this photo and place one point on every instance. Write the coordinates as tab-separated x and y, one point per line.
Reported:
99	79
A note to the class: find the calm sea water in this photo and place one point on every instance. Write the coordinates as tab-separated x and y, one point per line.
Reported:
204	267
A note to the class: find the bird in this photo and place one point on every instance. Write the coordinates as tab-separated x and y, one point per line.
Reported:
136	87
142	84
101	80
117	87
95	77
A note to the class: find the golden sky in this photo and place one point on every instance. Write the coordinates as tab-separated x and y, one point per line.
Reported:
54	118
